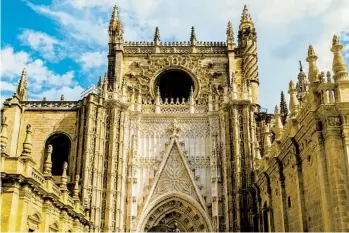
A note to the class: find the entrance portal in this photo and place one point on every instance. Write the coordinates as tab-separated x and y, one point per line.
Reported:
175	212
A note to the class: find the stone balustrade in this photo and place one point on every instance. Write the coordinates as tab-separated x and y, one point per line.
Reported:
24	171
44	105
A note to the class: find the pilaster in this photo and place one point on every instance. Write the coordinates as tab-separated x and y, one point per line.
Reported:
23	205
10	211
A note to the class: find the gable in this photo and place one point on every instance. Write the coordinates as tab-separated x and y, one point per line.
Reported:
174	175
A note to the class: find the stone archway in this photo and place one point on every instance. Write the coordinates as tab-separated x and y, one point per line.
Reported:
175	208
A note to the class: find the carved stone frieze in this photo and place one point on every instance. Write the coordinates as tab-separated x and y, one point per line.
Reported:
333	121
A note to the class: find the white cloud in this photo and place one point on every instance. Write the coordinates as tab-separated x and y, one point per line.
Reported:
90	60
6	86
40	77
12	63
48	46
86	28
70	93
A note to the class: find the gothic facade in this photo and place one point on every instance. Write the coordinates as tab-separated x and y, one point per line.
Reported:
174	134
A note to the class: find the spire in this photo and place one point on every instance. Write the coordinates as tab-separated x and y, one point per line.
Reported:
283	108
4	137
302	84
192	36
230	33
278	124
22	86
338	65
294	104
157	36
99	84
313	73
116	31
246	19
27	144
48	161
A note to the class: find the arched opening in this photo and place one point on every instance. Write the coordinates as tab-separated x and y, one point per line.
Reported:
174	212
60	152
174	84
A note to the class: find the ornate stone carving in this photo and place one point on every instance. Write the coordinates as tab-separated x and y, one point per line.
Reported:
174	177
333	121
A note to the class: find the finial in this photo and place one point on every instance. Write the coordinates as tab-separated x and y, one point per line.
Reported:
157	36
313	69
24	72
76	187
294	104
44	98
291	85
246	18
64	175
311	51
62	97
115	25
4	137
48	161
335	40
230	33
300	66
193	36
27	144
338	65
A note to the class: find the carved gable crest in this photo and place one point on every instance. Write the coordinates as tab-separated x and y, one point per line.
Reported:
174	175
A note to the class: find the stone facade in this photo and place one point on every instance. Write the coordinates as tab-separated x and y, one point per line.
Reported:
123	158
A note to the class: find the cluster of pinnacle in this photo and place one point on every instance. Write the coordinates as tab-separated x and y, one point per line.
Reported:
116	27
339	66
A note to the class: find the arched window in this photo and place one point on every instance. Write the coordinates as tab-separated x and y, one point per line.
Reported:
60	152
174	84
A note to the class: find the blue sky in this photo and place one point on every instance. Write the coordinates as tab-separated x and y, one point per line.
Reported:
63	43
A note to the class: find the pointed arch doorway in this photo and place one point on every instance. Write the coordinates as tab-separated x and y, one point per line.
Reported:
174	208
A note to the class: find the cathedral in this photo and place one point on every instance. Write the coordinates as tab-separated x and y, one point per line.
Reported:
173	138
